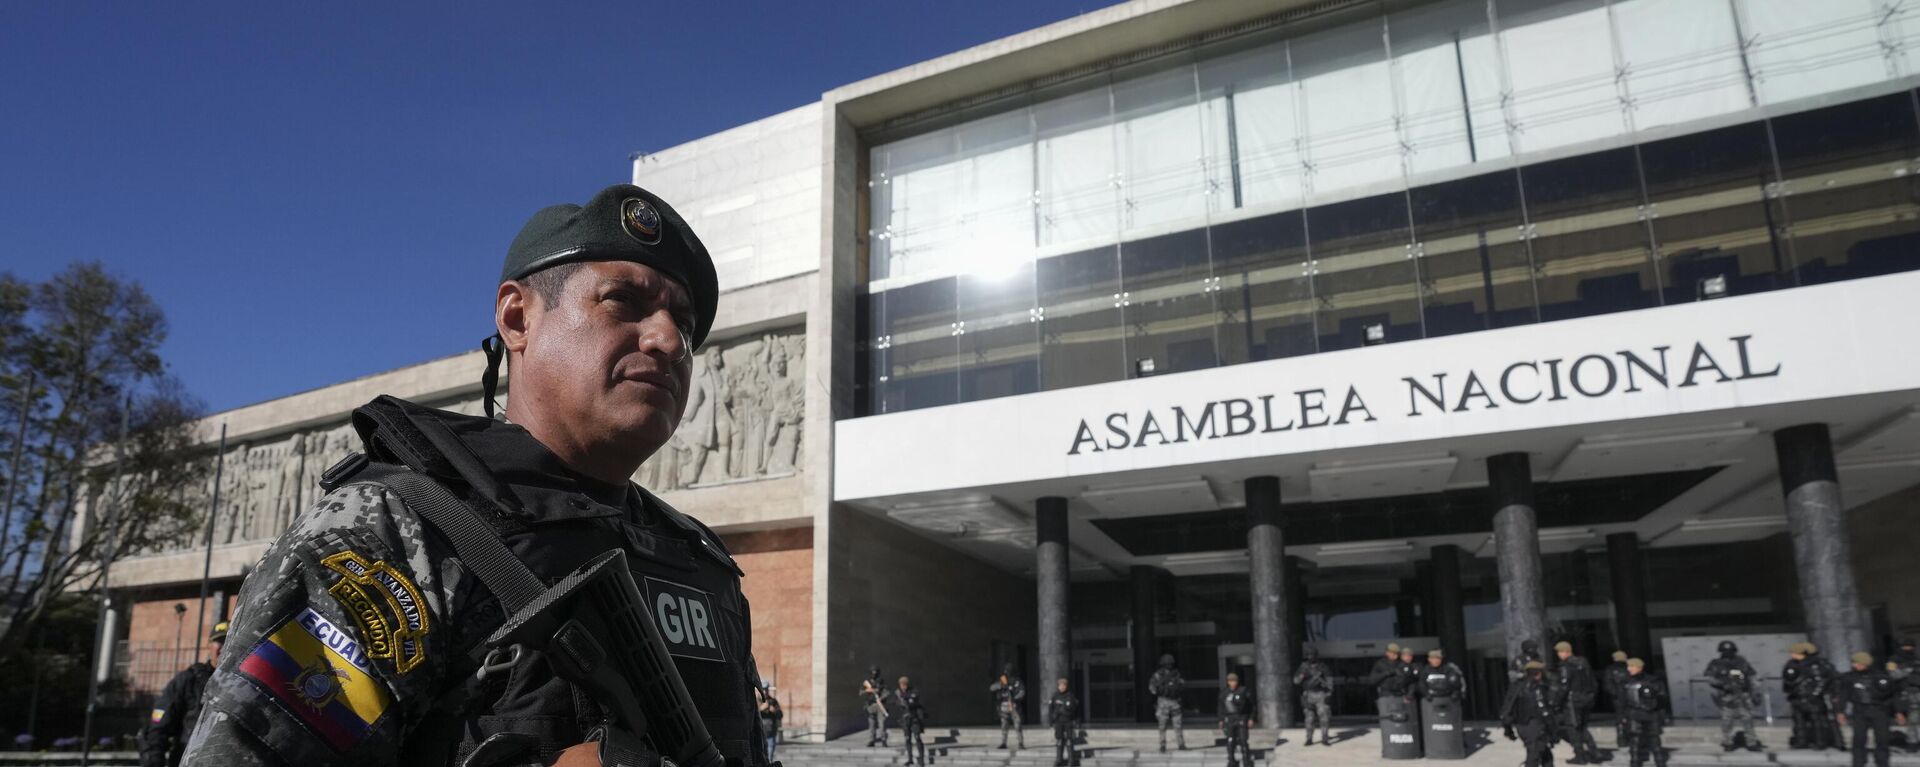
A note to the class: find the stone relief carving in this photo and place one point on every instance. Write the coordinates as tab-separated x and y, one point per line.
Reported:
743	419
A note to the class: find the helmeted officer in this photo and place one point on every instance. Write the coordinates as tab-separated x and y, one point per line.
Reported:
1441	679
1314	679
913	719
1063	712
177	709
1236	720
1166	685
873	698
1906	670
1644	707
1865	698
1528	714
1008	692
1735	691
1807	681
359	635
1612	678
1576	690
1529	652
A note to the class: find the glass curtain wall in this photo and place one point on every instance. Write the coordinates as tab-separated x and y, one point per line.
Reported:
1458	166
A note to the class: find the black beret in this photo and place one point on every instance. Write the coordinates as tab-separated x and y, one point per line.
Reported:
621	223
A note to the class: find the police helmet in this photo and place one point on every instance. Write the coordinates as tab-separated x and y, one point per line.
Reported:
219	633
1166	661
1232	677
1393	647
1863	658
1529	645
873	671
1436	653
1728	648
1007	671
1312	653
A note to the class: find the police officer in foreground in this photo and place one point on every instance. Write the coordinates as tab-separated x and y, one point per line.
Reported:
1528	714
1166	685
1735	692
873	697
1443	688
1008	692
1615	676
1574	679
913	719
177	709
359	635
1314	679
1063	712
1236	721
1386	675
1905	668
1529	652
1807	681
1865	699
1644	707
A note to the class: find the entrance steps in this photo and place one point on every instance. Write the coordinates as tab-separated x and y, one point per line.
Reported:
1356	743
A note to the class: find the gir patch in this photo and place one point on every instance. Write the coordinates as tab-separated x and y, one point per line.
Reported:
319	673
686	619
395	624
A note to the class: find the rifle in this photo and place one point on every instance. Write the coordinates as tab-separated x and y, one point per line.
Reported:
596	632
879	698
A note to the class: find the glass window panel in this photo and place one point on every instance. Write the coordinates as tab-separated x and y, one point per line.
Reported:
1707	199
922	355
1081	336
1433	46
1802	48
998	221
1900	32
999	333
926	195
1850	189
1347	87
880	398
1216	136
1363	271
1561	70
1475	273
1169	301
1682	59
879	216
1265	290
1590	246
1163	177
1264	133
1076	173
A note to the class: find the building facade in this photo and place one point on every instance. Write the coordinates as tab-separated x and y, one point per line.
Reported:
1219	328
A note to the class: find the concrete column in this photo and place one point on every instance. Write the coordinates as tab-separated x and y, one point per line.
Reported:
1296	604
1272	653
1817	523
1630	626
1516	537
1051	572
1449	608
1144	580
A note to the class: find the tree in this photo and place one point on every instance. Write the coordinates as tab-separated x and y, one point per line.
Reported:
80	369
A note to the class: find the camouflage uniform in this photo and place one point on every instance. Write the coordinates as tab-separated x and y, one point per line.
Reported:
1906	670
356	637
1315	680
1733	680
1166	685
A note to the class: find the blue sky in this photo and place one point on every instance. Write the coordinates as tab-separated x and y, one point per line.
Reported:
320	191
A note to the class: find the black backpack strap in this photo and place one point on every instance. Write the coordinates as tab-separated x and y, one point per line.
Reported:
477	544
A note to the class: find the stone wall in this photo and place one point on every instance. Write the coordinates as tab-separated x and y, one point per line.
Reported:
779	588
919	609
152	628
1886	556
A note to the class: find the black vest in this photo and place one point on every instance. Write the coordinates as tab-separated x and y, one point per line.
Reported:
553	520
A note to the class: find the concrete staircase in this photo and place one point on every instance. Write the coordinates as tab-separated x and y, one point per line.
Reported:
1355	743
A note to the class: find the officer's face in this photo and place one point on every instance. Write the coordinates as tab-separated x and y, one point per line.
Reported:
1432	661
1634	670
602	376
1060	685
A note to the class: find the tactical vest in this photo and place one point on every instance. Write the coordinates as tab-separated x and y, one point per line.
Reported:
1439	682
689	581
1236	704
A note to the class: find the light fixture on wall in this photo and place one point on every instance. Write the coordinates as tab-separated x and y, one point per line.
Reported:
1375	334
1712	287
1143	367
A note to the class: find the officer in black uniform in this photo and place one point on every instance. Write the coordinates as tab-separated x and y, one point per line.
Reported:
1865	698
1314	679
913	719
359	635
1904	666
1528	714
1008	693
1236	720
1442	688
1386	678
873	696
1735	692
1529	652
1644	707
177	709
1166	685
1613	677
1808	682
770	718
1574	678
1063	711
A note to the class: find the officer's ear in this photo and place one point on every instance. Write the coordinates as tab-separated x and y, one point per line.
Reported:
513	308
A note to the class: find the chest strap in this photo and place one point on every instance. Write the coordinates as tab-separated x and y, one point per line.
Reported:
474	541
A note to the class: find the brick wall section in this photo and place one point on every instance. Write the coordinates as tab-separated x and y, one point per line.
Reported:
151	625
779	587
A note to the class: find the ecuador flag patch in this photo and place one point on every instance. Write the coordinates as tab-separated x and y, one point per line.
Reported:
319	673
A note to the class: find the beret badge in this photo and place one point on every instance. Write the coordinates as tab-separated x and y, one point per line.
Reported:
641	221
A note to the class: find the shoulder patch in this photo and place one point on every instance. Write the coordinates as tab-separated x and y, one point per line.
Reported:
318	673
395	625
